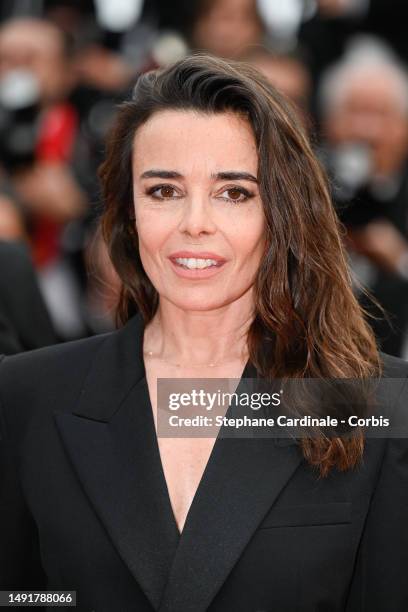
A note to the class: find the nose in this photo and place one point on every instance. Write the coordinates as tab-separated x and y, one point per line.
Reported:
197	217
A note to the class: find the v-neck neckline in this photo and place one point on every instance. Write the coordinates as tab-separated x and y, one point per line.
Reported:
144	387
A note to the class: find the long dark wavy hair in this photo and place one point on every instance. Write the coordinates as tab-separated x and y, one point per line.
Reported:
307	322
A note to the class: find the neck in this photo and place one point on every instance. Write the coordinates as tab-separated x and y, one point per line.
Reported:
200	337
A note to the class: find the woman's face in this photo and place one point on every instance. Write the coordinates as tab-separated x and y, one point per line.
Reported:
199	215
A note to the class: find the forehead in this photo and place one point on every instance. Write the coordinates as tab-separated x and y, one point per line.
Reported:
189	141
35	37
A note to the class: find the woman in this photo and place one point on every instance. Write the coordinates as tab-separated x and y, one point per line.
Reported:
219	224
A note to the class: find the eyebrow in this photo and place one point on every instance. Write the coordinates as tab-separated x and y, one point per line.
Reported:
235	176
164	174
223	176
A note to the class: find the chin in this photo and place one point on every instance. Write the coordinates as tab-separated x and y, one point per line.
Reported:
198	303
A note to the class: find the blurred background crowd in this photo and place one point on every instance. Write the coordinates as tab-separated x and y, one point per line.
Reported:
65	66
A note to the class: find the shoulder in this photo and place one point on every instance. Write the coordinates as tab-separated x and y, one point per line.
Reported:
393	388
26	377
64	357
61	377
394	403
393	367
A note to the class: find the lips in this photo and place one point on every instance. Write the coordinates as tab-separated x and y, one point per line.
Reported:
196	264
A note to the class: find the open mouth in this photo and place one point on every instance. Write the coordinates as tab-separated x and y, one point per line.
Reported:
191	263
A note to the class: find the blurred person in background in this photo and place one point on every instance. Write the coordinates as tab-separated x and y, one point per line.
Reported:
364	104
226	27
329	24
39	129
115	41
12	226
69	63
24	321
287	72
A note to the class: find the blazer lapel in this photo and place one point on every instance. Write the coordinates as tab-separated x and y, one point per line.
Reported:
108	439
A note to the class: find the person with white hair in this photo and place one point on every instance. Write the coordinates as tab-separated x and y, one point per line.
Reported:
363	103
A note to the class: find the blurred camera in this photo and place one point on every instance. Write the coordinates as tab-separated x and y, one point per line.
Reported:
19	118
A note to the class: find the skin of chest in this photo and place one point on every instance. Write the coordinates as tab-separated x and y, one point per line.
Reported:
184	459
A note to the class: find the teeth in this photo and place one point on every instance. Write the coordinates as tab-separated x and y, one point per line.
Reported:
193	263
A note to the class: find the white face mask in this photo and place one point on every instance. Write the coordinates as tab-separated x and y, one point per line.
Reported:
118	15
19	88
352	164
282	17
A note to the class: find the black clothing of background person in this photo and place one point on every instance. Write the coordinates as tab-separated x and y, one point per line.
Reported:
324	37
24	320
9	343
84	503
390	289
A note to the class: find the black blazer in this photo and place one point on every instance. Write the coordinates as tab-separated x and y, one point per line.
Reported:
84	503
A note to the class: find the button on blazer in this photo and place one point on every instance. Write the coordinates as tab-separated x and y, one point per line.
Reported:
84	504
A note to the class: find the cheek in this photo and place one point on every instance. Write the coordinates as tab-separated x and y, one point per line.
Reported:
248	240
152	231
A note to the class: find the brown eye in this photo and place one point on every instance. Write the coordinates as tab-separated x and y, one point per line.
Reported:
234	194
163	192
166	191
